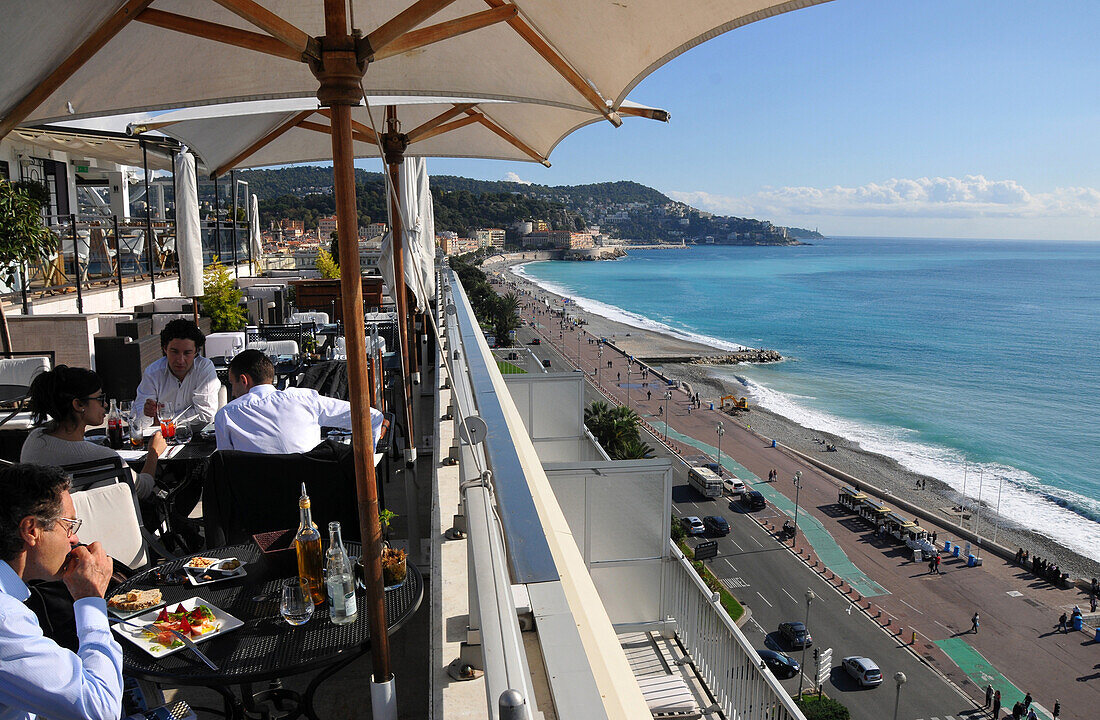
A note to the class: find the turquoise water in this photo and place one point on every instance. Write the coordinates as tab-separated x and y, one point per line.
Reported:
962	359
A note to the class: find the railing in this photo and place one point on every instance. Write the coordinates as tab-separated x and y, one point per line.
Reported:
108	250
720	652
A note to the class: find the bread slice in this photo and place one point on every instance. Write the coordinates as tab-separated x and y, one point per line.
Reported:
136	600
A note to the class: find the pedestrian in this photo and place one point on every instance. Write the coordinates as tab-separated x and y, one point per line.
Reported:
974	629
1017	710
648	394
1057	709
618	375
988	696
931	564
996	703
933	537
1092	603
1031	714
1027	697
936	559
1063	625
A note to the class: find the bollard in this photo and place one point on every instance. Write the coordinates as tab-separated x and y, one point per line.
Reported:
1097	638
913	639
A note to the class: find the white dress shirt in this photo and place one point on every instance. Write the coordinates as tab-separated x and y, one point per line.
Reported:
268	420
39	677
199	388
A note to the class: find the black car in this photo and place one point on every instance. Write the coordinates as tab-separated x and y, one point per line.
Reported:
716	525
535	341
795	634
753	500
783	666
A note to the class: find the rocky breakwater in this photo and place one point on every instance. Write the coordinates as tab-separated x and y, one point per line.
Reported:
748	355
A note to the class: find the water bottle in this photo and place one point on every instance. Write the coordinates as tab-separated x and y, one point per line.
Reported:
339	579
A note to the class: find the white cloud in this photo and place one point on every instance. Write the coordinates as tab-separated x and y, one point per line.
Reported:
972	196
513	177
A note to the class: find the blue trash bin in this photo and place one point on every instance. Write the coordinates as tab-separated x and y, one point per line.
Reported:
773	443
971	561
956	551
1078	623
1098	634
947	546
712	406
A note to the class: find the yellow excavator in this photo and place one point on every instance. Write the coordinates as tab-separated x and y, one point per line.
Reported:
735	404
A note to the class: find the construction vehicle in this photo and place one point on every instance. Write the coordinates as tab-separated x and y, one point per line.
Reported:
735	404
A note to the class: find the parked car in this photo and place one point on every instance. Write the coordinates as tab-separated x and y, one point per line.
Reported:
863	670
782	665
796	635
716	525
535	341
693	525
734	486
714	467
753	500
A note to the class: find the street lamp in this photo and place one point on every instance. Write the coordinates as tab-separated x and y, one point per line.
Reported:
797	487
629	365
802	675
899	678
668	396
599	362
721	430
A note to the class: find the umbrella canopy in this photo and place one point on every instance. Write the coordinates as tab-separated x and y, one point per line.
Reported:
276	132
188	241
254	243
414	242
80	58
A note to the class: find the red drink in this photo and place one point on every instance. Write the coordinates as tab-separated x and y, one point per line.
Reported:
169	429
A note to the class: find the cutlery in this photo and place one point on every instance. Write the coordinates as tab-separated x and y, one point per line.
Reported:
183	638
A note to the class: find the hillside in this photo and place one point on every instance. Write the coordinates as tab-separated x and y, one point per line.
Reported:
624	209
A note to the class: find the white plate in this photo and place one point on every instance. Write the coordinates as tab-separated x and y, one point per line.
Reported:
137	636
127	614
194	575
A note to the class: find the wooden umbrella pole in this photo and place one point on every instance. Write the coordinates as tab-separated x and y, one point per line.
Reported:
340	74
394	144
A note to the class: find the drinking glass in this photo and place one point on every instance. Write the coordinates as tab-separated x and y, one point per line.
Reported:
137	435
296	605
183	432
166	424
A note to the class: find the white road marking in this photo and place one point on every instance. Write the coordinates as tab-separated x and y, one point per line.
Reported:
908	605
729	563
942	625
765	602
737	546
788	595
757	541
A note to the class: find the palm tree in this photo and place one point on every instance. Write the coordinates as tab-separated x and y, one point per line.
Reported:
633	449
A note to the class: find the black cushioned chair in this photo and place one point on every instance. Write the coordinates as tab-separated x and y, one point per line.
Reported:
245	494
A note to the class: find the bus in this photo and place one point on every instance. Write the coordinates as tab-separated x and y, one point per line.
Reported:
706	481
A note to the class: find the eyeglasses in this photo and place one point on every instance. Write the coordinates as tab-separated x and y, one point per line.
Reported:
102	399
72	525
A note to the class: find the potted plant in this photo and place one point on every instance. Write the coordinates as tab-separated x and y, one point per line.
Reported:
385	517
23	237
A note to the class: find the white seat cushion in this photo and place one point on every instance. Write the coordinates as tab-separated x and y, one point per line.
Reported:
22	370
110	518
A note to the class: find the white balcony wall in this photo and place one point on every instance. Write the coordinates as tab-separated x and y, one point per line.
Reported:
552	408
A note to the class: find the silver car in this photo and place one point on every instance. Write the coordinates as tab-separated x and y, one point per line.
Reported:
863	670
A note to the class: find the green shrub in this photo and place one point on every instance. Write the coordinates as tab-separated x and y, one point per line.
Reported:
221	301
822	708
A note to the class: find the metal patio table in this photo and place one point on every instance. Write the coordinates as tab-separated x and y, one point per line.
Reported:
266	648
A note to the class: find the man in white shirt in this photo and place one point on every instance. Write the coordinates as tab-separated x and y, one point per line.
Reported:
181	379
263	419
38	542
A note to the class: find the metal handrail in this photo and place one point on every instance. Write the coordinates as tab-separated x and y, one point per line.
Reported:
720	652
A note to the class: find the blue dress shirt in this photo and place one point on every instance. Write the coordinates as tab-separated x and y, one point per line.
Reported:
39	677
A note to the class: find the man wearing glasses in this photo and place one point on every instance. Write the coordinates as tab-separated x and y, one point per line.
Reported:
38	542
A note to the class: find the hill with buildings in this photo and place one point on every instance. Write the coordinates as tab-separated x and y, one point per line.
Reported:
624	210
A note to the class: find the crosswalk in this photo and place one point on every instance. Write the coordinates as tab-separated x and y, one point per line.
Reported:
945	717
734	582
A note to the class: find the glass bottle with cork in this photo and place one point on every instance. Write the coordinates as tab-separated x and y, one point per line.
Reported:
339	579
308	545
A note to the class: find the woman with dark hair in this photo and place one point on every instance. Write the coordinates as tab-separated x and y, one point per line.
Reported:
64	403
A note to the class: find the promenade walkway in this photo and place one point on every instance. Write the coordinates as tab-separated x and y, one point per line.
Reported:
1017	649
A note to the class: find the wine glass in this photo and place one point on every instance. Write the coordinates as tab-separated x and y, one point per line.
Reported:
137	430
296	605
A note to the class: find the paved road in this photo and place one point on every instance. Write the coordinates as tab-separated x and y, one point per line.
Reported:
772	582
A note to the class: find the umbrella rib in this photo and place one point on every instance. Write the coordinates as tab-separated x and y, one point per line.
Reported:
398	25
266	139
445	128
368	133
515	141
445	30
419	132
645	112
274	25
327	130
57	77
220	33
559	63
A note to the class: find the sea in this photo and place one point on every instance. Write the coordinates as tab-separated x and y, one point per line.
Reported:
976	362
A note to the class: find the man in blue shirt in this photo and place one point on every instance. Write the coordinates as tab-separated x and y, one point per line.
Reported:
38	542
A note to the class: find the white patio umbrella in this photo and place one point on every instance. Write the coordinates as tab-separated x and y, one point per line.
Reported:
79	58
254	242
188	236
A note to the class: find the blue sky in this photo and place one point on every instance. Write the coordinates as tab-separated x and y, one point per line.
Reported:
968	118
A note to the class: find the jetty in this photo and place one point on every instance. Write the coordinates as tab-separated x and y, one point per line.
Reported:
748	355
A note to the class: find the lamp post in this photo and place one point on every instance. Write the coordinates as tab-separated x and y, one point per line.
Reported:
721	430
797	488
599	362
668	396
802	675
899	678
628	366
